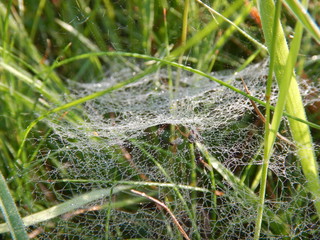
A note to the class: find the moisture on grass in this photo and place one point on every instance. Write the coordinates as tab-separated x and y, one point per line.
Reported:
149	120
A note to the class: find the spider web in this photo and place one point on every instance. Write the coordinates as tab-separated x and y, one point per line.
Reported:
143	135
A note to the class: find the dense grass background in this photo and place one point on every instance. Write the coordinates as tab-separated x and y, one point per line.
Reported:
37	35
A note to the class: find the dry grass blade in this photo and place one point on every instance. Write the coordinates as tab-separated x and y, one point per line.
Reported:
175	220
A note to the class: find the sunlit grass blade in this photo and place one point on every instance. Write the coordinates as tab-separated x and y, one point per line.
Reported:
268	140
31	81
271	132
10	212
294	105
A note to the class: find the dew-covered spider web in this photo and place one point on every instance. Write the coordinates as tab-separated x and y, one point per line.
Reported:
146	136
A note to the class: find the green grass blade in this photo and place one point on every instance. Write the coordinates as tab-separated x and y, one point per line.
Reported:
271	134
267	137
37	18
10	212
31	81
86	42
303	16
65	207
137	183
294	105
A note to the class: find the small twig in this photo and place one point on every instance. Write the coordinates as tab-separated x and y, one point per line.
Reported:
262	117
175	220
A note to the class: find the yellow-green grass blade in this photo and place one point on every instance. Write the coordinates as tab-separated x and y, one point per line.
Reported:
294	106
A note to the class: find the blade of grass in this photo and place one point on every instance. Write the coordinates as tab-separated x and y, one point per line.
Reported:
65	207
32	82
10	212
147	8
303	16
42	3
4	33
136	183
268	141
26	100
228	34
183	37
86	42
15	24
294	106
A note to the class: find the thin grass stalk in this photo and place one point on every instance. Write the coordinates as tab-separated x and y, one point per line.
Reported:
135	183
183	37
267	139
147	10
218	21
5	25
227	34
294	106
40	8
